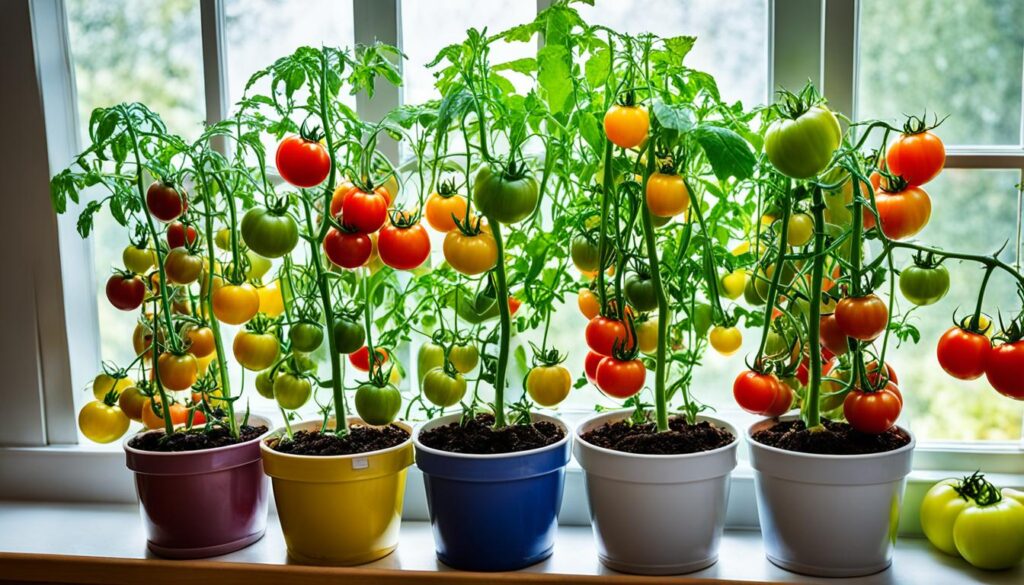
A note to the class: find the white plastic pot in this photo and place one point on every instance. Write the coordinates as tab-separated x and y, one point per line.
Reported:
655	514
829	515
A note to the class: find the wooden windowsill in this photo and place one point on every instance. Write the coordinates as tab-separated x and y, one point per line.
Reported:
104	544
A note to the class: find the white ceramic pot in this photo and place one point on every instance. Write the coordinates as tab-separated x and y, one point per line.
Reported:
655	514
829	515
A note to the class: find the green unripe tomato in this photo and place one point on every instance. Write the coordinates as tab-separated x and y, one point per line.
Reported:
291	391
939	510
268	233
429	356
349	335
991	537
505	197
306	336
585	254
923	285
265	384
640	293
464	357
801	148
443	390
378	405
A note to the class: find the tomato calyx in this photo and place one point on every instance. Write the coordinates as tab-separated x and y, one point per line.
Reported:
403	220
311	133
978	323
261	323
976	488
546	357
919	124
793	105
446	188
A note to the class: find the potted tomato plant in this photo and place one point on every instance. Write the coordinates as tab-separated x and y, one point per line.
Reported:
657	481
195	447
338	479
830	315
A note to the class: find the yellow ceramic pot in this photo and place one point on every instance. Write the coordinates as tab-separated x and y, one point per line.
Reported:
340	509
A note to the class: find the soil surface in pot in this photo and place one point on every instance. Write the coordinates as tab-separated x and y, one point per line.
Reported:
478	436
194	439
360	439
644	439
838	438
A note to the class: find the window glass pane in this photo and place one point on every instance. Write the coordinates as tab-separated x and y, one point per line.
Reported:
732	37
962	58
939	407
122	51
261	31
431	25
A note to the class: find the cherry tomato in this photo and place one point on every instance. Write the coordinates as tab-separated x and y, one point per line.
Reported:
378	405
832	336
1005	369
726	340
365	212
102	423
138	260
131	402
918	158
548	385
349	335
403	248
290	391
667	195
303	163
584	254
178	235
464	358
761	394
235	304
589	304
640	292
863	318
164	201
733	283
963	354
126	292
442	389
470	255
441	210
255	351
347	250
872	412
903	214
360	358
306	336
924	285
647	335
620	379
182	266
152	414
800	230
200	341
603	334
177	372
626	126
271	233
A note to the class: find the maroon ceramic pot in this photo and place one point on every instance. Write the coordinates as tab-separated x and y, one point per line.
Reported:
202	503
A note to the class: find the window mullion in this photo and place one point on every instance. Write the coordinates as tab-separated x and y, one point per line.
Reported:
839	55
795	47
378	21
215	70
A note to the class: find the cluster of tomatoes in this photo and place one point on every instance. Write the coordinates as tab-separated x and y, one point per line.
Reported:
966	352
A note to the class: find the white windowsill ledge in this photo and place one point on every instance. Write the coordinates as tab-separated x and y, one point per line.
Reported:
114	531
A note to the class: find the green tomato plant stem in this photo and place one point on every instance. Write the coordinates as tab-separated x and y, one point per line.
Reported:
505	324
660	397
371	356
812	414
773	288
602	241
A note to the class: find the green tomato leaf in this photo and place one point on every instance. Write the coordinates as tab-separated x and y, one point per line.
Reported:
554	76
673	117
526	66
597	67
728	153
85	220
680	46
590	129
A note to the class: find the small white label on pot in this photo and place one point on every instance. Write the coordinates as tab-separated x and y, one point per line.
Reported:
360	463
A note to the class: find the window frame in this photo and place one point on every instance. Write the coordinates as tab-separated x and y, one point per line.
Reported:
807	39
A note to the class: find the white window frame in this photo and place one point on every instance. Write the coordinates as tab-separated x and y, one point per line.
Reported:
807	39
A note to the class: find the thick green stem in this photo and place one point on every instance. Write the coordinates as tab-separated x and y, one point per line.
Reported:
602	241
660	398
976	318
773	288
505	324
812	413
371	356
337	381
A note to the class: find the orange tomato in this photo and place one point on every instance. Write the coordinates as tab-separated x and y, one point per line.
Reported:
439	210
667	195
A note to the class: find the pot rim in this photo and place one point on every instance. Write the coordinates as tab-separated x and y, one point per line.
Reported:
826	456
351	419
490	456
133	450
584	444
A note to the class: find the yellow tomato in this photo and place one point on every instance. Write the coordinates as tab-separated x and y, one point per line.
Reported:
667	195
104	383
271	299
733	283
178	372
548	385
102	423
470	255
589	303
235	304
647	335
726	340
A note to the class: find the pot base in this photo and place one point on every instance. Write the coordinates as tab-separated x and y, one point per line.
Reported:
349	562
203	552
491	568
814	571
657	570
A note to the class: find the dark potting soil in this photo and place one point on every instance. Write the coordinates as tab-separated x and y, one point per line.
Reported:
194	439
644	439
478	436
360	439
838	438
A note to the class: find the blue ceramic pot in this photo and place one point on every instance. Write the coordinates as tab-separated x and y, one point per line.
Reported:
493	512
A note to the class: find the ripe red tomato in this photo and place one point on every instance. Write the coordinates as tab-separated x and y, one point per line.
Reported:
873	412
963	354
832	336
176	237
620	379
1005	369
918	158
303	163
164	201
513	305
903	213
590	364
348	250
360	358
126	292
339	196
863	318
761	394
366	212
604	333
403	248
